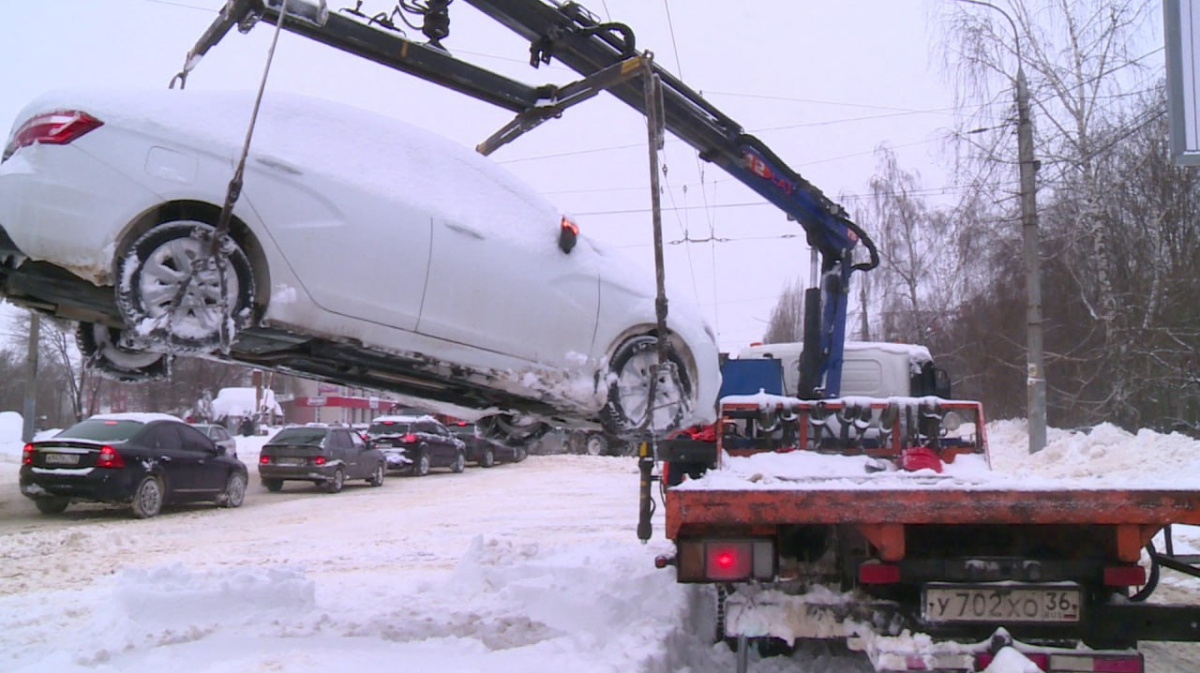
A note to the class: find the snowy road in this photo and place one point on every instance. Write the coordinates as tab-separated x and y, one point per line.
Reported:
526	567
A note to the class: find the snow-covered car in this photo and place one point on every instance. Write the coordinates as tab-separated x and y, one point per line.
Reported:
361	250
323	454
145	460
416	444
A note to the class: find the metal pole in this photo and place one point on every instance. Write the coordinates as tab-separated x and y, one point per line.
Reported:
31	368
1035	359
1035	377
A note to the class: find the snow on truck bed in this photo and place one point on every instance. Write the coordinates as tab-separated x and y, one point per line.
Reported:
1103	458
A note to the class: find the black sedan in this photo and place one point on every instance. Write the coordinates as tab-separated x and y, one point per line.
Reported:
323	454
484	451
146	460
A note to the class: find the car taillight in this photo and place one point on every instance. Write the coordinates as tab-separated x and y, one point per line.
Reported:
27	455
264	460
109	458
409	438
726	560
319	460
52	128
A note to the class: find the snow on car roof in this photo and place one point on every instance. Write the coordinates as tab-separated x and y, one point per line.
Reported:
139	417
403	419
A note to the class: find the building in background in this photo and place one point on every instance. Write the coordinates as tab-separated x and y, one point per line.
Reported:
320	402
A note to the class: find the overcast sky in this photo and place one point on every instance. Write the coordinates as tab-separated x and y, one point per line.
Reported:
823	83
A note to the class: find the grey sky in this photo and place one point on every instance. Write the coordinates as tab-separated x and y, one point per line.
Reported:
823	83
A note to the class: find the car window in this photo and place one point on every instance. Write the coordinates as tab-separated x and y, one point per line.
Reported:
219	433
194	440
388	428
102	430
299	436
341	439
162	437
357	440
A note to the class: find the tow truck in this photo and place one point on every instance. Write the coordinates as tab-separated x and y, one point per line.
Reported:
899	546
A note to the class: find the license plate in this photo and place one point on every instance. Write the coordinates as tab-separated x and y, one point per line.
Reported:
291	461
62	458
1001	604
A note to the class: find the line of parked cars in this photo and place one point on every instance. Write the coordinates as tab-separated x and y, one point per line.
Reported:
151	460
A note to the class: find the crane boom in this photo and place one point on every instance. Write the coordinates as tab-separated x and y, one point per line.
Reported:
605	54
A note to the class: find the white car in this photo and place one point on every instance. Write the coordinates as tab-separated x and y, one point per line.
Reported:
361	250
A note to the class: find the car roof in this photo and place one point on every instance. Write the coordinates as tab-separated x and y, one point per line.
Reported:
403	419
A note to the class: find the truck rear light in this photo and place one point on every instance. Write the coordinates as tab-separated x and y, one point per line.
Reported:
109	458
726	560
878	573
27	455
1124	576
52	128
1097	663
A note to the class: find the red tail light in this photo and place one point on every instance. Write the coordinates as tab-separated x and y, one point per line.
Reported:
109	458
319	460
409	438
27	455
52	128
264	460
1124	576
878	573
725	560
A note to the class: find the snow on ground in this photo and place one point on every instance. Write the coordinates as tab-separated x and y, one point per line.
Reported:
525	567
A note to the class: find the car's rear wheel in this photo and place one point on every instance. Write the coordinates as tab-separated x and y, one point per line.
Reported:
101	348
273	485
522	453
460	462
235	491
421	467
173	290
148	498
378	475
335	484
632	367
52	505
595	445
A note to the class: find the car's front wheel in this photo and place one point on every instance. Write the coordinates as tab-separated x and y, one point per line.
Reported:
101	348
52	505
460	462
176	288
235	491
148	498
631	369
488	459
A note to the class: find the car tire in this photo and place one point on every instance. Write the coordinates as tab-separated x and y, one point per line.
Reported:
235	490
521	454
162	298
631	368
421	467
595	445
148	497
52	505
378	475
99	345
273	485
488	459
460	462
335	483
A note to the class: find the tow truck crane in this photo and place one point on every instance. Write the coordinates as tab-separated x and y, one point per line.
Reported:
605	53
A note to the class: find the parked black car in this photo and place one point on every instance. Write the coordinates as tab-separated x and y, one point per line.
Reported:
323	454
482	451
146	460
417	443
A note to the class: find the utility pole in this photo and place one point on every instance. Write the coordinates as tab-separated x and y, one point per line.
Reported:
31	368
1035	380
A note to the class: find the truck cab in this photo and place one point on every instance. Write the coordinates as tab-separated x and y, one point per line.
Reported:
869	369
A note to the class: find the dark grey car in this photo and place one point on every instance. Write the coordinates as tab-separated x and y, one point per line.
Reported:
325	455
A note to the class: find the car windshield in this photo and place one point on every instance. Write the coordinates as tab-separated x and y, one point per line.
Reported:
388	428
299	436
102	430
